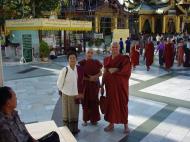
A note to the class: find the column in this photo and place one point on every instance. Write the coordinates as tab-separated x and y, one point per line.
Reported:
164	24
96	24
153	24
1	67
99	25
115	22
127	23
178	24
140	24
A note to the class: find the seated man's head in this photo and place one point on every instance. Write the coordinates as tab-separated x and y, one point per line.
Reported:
8	100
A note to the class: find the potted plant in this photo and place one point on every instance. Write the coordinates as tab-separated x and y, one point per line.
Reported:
44	51
90	43
98	42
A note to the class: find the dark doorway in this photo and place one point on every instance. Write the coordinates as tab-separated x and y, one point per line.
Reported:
105	25
158	25
146	27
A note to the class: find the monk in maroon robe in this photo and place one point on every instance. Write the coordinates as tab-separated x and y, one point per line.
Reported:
168	55
92	71
117	71
149	54
135	55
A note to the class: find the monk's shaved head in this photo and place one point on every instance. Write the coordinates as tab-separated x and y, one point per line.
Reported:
89	53
90	50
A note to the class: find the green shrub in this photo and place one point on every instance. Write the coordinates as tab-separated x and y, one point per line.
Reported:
90	43
98	42
44	49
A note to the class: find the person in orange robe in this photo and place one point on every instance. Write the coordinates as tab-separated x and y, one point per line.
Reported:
135	54
117	71
149	54
92	71
180	52
168	55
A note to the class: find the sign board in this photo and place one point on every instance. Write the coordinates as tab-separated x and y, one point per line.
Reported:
120	33
80	25
56	23
48	24
98	35
27	47
23	23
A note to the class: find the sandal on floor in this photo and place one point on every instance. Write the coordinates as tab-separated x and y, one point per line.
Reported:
84	124
109	128
127	131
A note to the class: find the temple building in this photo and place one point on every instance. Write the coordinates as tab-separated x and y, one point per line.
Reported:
106	15
172	17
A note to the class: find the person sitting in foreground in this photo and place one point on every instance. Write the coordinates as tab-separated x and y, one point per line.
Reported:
12	129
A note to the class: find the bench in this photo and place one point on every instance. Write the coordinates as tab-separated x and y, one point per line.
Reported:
39	129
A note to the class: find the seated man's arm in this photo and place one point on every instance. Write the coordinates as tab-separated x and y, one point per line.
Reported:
6	136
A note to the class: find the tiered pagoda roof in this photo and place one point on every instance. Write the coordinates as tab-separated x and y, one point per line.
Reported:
164	8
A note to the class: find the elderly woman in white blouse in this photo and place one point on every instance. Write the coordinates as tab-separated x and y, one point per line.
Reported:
70	84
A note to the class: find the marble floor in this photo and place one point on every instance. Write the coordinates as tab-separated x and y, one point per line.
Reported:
150	119
140	73
175	128
36	97
177	87
136	118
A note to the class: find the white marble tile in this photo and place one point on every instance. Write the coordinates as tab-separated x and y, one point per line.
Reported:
37	130
36	97
177	87
132	82
186	72
156	136
186	138
55	71
140	110
172	129
67	135
142	74
50	107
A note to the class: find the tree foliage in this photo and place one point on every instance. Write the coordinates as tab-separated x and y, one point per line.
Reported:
14	9
40	6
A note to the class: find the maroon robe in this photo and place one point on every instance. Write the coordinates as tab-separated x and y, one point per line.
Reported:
149	54
91	101
135	55
168	55
117	88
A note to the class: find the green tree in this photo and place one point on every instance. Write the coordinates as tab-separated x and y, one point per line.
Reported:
16	9
10	9
39	6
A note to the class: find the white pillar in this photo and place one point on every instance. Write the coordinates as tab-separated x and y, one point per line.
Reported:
1	67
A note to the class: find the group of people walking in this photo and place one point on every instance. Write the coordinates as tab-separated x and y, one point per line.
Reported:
80	84
169	49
